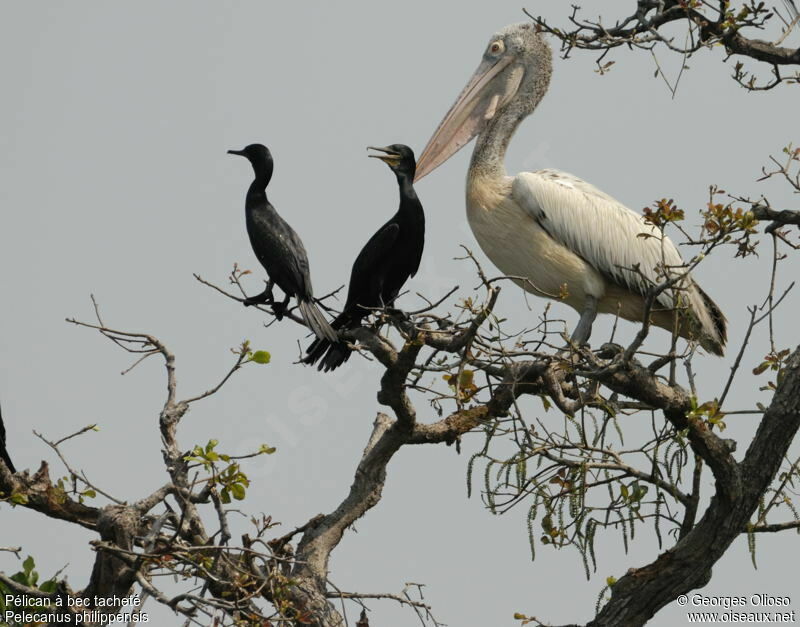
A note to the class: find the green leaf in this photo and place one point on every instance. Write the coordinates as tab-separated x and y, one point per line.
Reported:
267	450
761	368
237	489
225	496
261	357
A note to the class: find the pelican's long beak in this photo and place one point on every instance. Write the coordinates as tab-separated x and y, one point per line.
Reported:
478	103
390	158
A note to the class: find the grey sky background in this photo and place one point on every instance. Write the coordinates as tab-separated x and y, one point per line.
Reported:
114	181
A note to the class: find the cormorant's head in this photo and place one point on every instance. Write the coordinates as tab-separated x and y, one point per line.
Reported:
399	157
259	156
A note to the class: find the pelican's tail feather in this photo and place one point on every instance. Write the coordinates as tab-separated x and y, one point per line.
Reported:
709	326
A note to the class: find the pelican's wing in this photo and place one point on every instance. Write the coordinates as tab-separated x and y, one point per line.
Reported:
602	231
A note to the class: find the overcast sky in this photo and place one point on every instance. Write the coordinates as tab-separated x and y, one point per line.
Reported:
114	181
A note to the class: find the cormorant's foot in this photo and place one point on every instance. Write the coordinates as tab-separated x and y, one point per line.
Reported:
397	313
609	350
279	309
256	300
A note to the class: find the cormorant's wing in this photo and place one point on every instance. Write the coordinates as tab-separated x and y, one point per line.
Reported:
606	234
300	260
366	278
376	248
279	248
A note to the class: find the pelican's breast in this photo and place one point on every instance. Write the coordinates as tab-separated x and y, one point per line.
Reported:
518	245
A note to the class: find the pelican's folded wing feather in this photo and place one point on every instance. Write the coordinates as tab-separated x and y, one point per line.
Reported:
602	231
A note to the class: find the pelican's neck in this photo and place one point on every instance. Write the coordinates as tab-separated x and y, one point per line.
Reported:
488	158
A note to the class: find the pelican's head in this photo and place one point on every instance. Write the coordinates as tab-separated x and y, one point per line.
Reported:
399	157
514	73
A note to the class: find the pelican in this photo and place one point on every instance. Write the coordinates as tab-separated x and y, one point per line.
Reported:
555	234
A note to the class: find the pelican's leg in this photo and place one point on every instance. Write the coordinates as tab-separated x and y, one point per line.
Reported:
263	297
583	330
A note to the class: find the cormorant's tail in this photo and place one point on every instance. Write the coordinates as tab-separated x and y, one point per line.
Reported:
316	321
3	452
710	325
330	355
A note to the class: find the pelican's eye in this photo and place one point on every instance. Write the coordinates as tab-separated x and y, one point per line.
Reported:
496	47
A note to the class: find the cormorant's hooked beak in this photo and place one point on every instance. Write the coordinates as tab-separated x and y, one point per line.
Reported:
487	91
391	158
236	152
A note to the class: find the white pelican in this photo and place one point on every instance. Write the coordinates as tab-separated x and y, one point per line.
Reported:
560	236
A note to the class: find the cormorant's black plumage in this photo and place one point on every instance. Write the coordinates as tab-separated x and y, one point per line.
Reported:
278	248
388	259
3	451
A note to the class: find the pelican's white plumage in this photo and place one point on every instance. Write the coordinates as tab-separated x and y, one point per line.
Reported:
550	229
614	241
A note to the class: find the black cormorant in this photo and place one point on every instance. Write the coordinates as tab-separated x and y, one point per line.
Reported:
3	452
278	248
385	263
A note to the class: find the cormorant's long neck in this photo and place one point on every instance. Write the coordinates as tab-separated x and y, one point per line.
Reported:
408	196
258	188
406	185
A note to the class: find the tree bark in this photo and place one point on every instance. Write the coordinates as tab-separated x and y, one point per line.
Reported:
637	596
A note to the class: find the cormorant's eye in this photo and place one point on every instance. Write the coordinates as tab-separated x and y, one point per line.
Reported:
496	47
